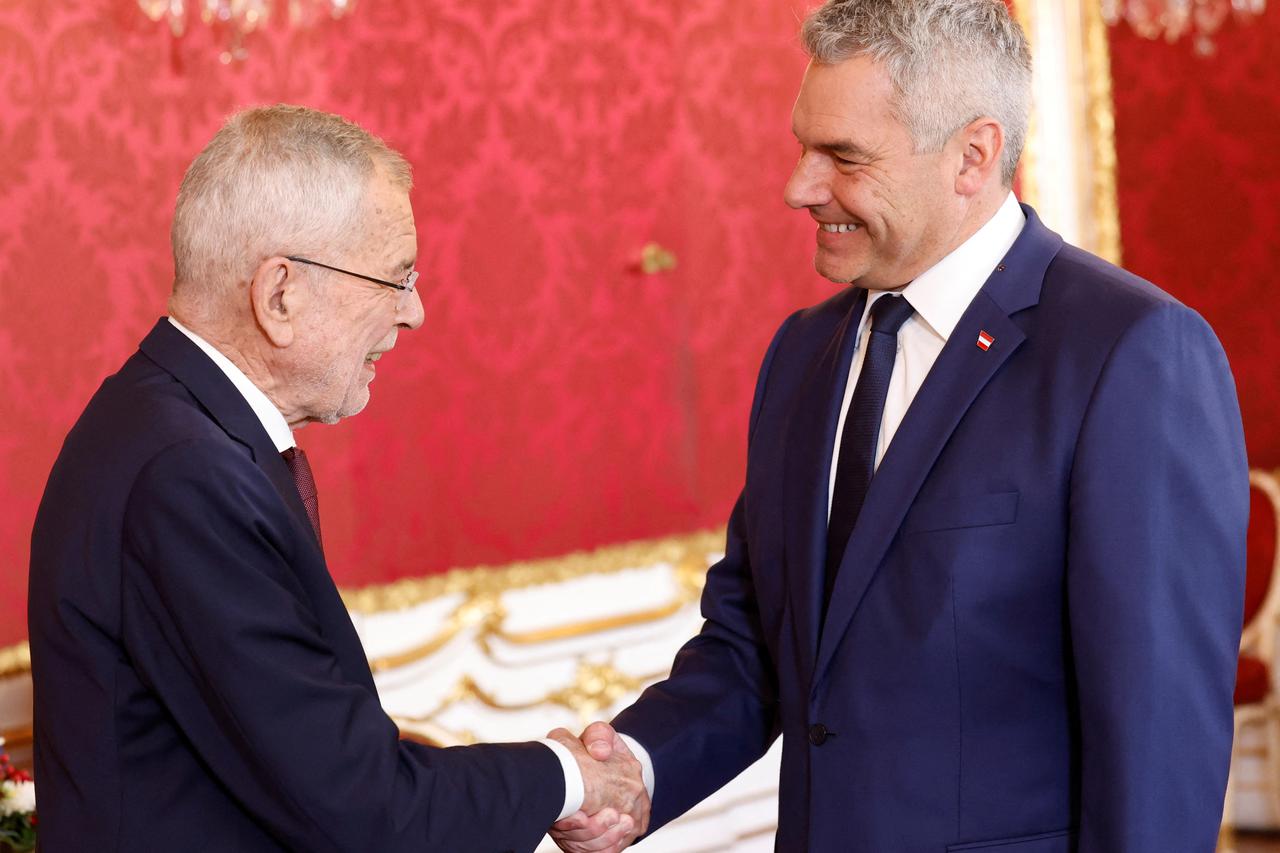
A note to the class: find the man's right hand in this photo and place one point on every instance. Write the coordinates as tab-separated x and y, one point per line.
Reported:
615	810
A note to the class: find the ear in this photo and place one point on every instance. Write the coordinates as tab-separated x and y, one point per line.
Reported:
277	295
981	146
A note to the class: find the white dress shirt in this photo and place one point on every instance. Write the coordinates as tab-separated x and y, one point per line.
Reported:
940	296
272	421
278	429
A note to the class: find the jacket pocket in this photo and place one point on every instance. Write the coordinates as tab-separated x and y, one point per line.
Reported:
952	513
1061	841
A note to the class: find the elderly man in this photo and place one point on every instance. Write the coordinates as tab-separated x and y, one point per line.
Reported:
986	574
198	683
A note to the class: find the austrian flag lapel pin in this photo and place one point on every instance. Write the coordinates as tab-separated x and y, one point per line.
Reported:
985	341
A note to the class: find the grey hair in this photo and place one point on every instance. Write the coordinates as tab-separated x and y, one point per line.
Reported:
273	180
950	62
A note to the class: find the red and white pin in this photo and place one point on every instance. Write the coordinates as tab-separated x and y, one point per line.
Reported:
985	340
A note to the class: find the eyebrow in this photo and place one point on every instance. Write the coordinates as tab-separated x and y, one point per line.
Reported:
841	147
847	146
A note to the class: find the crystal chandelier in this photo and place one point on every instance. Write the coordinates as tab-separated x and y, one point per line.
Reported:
235	19
1171	19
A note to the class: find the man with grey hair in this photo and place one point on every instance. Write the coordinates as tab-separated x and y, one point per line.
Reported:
198	682
986	574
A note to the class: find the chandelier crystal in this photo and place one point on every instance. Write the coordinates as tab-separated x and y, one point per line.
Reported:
236	19
1172	19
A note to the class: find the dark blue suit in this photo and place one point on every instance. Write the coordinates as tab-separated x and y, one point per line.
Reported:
1031	645
198	682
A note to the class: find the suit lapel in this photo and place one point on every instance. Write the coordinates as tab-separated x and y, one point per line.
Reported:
175	352
216	394
810	440
961	372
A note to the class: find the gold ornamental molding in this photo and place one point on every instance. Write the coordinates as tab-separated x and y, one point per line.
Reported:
1069	163
15	660
1101	122
595	688
1028	166
480	614
486	612
683	552
482	588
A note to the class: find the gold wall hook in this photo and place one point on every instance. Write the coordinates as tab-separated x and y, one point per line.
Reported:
655	259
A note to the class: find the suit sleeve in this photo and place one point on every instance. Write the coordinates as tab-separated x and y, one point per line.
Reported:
219	628
715	714
1155	573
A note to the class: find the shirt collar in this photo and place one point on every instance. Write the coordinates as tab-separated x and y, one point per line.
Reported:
272	421
941	293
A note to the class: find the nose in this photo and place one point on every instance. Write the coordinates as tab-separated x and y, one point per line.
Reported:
409	313
809	184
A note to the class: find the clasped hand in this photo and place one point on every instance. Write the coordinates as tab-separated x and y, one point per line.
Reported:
615	809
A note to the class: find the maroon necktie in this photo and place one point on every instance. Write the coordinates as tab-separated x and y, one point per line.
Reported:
300	468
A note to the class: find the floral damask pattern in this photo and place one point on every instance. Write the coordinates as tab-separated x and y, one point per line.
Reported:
1198	183
556	398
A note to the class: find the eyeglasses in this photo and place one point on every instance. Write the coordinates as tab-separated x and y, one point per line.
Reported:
405	286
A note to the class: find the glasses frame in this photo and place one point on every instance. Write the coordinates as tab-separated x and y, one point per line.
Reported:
406	286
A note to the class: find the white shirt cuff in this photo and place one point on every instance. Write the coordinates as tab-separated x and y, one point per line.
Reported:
574	792
646	763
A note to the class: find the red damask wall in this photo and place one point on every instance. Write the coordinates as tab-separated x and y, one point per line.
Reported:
555	398
1199	190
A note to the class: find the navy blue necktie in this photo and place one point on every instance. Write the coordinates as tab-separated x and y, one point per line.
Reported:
857	460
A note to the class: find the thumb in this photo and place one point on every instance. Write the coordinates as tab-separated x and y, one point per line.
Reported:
620	746
600	739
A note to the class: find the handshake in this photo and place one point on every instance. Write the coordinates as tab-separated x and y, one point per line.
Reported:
615	805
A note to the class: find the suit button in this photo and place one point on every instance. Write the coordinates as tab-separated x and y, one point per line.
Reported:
818	734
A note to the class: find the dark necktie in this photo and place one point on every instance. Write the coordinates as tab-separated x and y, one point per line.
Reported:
857	458
300	468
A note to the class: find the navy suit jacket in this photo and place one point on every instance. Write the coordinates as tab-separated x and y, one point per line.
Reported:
198	682
1032	641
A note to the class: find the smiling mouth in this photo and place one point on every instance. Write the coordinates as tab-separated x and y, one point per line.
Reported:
837	227
372	357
